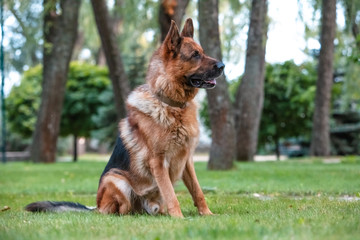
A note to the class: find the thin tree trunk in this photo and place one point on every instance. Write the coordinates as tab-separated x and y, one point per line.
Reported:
277	148
100	57
75	150
351	13
115	20
320	139
59	38
171	10
79	44
220	109
250	94
118	76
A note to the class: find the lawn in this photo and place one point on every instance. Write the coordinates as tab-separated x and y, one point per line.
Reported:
295	199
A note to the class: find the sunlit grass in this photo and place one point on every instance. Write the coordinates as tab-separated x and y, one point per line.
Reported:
296	199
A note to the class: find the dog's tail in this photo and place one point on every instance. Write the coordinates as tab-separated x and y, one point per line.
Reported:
48	206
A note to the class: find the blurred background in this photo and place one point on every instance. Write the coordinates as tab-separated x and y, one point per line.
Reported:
291	84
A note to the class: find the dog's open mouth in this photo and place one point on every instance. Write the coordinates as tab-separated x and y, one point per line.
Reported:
200	83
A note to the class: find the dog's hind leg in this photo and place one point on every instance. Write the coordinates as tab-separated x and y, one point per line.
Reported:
114	195
152	203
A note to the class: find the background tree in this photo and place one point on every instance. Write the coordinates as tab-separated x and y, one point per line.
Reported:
88	91
23	103
250	94
136	29
320	140
288	103
219	105
352	11
60	29
24	53
115	21
118	76
347	57
171	10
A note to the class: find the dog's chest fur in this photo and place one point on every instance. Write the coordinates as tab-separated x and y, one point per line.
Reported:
153	128
179	125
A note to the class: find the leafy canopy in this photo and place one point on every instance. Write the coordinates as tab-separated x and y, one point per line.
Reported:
289	101
87	90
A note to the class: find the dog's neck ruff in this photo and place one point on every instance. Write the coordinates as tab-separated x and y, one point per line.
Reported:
170	102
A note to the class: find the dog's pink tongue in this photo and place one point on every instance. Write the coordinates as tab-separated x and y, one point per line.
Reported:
212	81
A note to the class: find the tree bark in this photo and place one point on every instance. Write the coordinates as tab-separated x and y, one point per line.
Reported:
100	57
118	76
250	94
219	105
171	10
352	13
79	44
320	139
59	37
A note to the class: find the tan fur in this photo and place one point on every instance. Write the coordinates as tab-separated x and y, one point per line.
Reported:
160	138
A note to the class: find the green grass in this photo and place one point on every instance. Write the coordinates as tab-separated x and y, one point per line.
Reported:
296	199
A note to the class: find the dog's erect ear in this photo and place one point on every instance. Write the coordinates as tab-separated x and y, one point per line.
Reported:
173	39
188	30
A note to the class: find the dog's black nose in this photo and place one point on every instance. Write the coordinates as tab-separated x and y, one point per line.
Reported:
220	65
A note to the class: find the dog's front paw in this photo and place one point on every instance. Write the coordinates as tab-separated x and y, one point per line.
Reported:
175	213
205	212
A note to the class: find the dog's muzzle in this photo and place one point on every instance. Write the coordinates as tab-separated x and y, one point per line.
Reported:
207	79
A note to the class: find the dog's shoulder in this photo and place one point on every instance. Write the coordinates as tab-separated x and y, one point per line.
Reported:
144	101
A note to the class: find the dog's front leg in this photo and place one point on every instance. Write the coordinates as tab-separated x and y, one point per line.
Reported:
162	178
192	184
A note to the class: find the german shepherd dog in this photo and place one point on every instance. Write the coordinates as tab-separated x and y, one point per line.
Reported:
158	137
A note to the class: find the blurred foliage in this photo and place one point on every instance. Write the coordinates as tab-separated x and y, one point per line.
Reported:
135	67
234	20
289	88
87	90
288	103
23	102
347	49
24	49
136	29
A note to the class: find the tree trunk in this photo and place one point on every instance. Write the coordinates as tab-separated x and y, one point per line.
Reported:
250	94
75	146
277	148
60	32
171	10
320	139
118	76
79	44
220	109
351	15
116	21
100	57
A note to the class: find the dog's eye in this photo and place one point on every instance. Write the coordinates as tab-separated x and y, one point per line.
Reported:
196	54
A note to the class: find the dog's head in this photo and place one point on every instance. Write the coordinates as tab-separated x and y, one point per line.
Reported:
187	58
179	67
